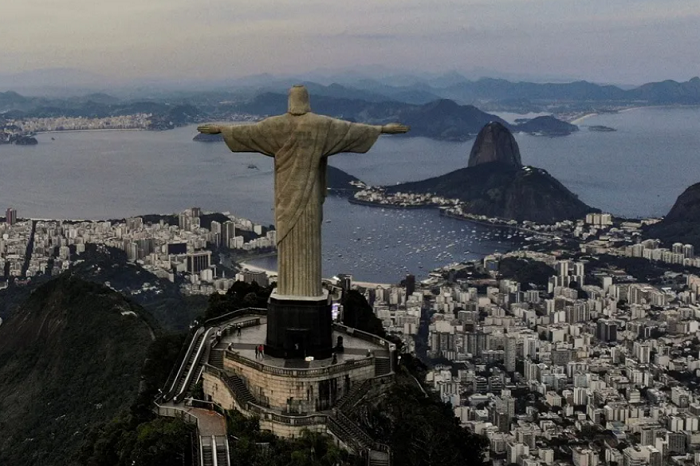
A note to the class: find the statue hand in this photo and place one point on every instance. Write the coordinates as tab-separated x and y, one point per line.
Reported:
395	128
209	129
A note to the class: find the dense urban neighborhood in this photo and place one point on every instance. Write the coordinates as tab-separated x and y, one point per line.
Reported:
578	347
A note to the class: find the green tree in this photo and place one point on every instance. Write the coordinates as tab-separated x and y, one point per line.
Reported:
160	442
357	313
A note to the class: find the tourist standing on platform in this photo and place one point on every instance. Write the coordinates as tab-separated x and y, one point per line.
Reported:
257	351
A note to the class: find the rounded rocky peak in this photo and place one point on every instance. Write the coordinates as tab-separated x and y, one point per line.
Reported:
687	206
495	143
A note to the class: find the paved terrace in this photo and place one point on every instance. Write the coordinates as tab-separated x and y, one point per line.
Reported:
209	422
252	336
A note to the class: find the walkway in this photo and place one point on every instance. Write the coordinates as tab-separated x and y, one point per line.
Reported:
353	348
209	422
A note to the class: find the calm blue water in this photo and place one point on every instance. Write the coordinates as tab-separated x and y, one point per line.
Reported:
637	171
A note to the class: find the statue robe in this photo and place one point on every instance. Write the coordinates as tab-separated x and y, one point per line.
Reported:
300	145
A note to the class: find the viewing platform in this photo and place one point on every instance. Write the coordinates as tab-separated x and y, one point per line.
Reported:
236	377
287	395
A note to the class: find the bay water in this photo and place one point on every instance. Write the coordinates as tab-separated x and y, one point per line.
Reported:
636	171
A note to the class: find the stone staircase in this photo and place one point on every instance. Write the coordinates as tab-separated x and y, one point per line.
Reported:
382	366
236	384
359	437
354	437
348	401
216	358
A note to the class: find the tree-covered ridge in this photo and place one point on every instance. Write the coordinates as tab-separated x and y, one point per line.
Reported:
527	272
70	358
136	435
239	296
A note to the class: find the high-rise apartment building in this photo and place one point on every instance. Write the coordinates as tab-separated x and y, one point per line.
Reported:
511	350
228	232
606	331
11	216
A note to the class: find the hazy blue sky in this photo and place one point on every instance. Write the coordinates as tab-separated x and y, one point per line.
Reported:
625	41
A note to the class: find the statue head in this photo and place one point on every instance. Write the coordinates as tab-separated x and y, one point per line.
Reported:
298	100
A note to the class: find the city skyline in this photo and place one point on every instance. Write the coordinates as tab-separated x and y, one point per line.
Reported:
594	40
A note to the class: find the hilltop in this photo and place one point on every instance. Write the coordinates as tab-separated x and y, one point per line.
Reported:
682	224
504	191
160	298
339	182
495	143
496	184
70	358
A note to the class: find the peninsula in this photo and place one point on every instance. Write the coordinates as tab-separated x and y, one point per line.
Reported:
494	184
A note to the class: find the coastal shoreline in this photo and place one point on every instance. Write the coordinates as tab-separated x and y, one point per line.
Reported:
352	200
57	131
442	212
580	119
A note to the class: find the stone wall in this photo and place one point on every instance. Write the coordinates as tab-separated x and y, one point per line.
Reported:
289	431
299	393
220	394
215	389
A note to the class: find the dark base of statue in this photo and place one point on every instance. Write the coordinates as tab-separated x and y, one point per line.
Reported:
299	327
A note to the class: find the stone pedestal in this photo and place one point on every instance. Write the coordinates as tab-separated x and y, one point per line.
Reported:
298	327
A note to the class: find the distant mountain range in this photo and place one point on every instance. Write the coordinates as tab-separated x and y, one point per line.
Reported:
369	85
165	114
483	90
432	111
441	119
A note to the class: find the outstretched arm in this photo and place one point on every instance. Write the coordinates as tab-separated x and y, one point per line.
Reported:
344	136
244	138
395	128
209	129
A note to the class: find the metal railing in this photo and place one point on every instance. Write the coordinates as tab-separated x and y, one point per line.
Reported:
182	354
194	366
281	371
180	413
341	425
366	336
234	314
186	358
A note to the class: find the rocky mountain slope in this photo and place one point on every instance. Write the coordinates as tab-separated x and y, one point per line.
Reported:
495	143
505	191
495	184
70	358
682	224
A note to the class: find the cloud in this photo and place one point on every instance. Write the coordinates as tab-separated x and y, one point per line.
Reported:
216	38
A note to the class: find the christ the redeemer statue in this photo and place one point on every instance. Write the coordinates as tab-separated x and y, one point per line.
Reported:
300	141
